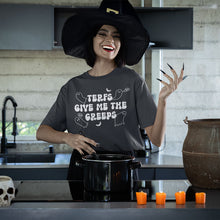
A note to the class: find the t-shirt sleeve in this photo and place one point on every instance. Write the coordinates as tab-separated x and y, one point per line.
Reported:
146	108
56	117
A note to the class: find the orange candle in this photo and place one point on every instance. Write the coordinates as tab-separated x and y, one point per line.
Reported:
200	198
180	198
160	198
141	198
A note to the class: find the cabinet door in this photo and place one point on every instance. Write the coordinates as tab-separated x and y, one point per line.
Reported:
26	27
169	28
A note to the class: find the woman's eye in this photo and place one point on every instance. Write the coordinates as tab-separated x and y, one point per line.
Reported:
117	36
101	34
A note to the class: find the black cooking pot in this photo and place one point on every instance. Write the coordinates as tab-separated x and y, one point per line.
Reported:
108	172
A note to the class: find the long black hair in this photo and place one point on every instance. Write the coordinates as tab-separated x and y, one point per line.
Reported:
91	56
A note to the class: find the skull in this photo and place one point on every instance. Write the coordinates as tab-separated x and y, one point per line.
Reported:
7	191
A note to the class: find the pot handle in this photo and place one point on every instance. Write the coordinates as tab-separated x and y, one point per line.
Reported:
186	120
135	165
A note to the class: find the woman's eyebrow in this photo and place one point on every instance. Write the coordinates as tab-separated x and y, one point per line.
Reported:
102	29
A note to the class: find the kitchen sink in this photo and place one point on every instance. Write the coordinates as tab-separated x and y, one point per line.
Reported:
27	158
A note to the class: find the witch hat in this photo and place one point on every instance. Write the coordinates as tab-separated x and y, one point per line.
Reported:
118	13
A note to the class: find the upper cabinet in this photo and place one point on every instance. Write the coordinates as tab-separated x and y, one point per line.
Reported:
26	27
169	28
39	27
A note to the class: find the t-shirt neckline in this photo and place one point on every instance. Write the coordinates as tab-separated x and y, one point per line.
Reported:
87	75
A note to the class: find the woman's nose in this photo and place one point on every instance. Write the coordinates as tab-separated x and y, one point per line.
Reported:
109	39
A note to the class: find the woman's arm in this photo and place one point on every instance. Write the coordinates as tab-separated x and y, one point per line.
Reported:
76	141
156	132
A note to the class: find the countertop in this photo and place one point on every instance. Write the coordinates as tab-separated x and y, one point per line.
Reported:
122	211
155	160
68	209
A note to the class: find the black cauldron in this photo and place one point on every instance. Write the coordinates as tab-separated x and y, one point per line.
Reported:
108	172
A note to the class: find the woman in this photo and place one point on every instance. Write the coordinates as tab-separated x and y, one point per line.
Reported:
104	108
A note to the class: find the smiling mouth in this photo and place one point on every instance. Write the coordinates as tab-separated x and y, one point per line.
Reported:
108	48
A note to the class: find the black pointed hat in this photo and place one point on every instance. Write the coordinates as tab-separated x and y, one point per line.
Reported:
118	13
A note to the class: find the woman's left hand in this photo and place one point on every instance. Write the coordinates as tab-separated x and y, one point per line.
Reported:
173	83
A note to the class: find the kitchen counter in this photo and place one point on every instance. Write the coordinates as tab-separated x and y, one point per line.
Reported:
156	160
63	206
36	211
157	166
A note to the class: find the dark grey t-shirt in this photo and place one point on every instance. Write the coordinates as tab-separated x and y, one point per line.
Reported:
109	109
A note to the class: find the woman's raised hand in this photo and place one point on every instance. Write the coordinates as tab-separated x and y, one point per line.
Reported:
173	83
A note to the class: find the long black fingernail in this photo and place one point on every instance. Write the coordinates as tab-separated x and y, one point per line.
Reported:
97	145
159	80
170	66
184	77
162	71
93	153
183	66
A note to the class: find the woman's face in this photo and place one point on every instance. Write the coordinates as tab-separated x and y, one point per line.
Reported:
106	43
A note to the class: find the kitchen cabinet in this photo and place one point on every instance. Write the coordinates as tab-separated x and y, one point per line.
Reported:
39	27
60	173
161	173
35	173
155	167
26	27
169	28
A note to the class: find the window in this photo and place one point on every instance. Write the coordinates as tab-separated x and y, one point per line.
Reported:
26	130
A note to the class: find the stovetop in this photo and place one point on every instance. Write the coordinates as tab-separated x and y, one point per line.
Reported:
69	191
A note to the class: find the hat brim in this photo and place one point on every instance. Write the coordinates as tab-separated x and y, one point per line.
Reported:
77	28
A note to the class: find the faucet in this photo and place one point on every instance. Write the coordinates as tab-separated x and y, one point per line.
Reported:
4	144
